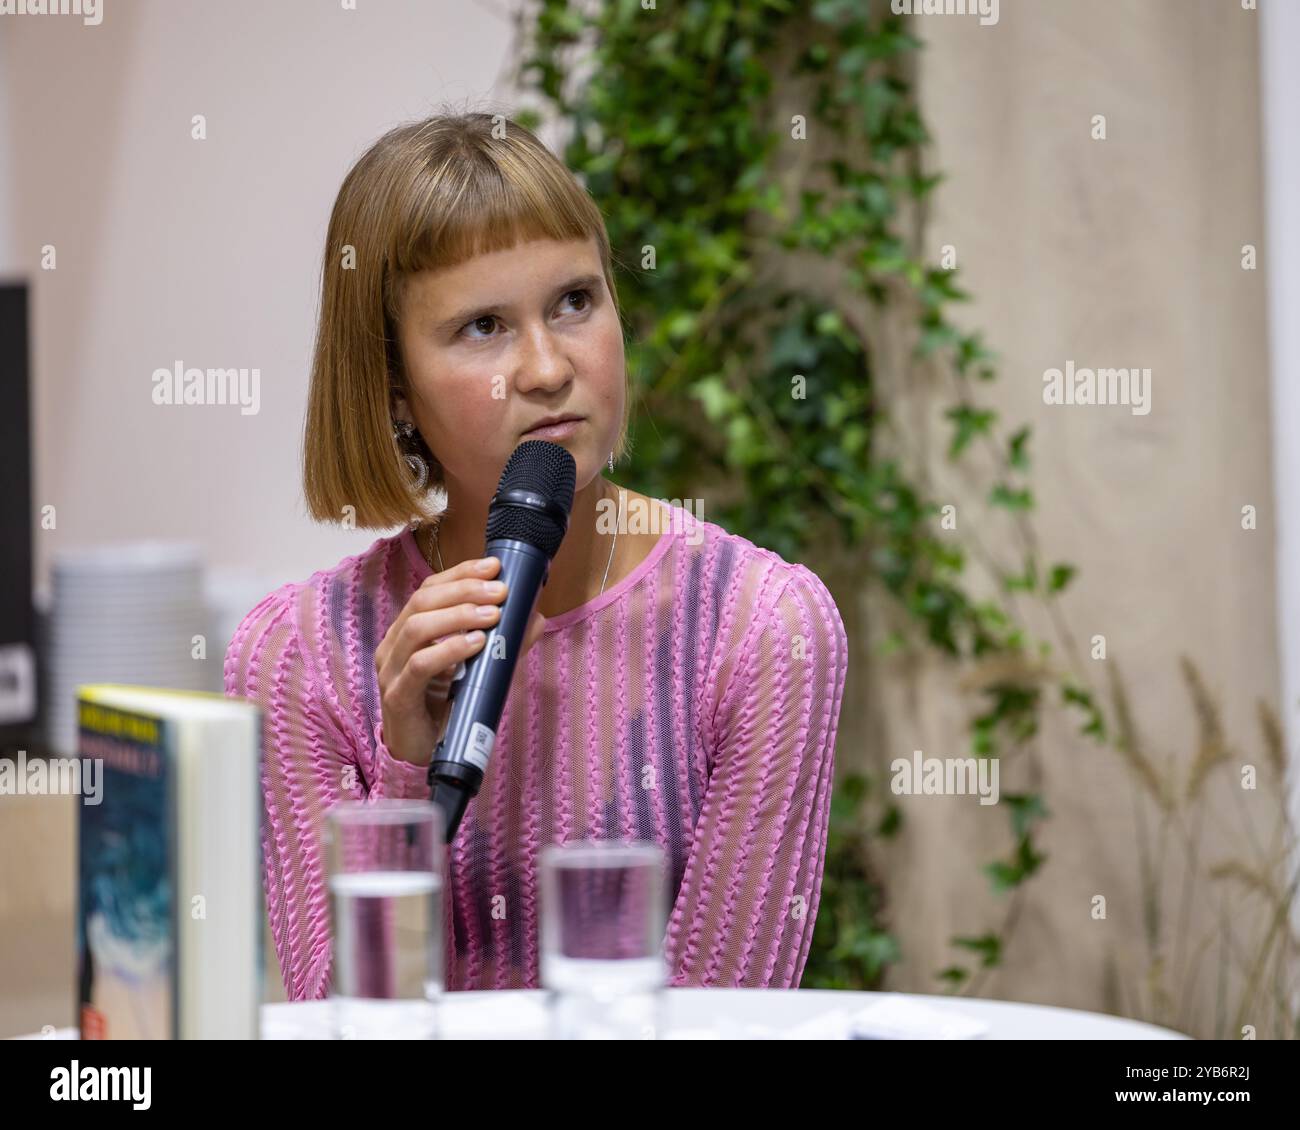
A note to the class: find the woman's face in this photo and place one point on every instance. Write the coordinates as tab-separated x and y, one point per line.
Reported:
496	344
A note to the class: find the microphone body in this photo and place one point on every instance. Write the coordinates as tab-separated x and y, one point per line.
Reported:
478	693
527	520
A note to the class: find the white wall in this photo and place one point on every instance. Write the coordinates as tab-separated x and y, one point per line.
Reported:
205	251
1280	105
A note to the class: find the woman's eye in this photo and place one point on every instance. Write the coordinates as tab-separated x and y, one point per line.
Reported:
478	322
586	295
490	319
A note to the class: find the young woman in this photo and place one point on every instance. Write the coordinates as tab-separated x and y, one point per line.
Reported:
680	684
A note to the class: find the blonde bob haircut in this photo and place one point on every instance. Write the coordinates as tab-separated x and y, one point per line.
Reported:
427	195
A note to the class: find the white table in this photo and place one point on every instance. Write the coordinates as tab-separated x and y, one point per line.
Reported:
719	1013
731	1013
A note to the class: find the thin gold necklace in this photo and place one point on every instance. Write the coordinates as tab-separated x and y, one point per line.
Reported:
442	569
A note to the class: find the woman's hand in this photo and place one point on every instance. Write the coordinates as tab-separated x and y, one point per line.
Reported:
444	623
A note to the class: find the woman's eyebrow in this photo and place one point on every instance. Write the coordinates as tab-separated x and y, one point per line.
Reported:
470	313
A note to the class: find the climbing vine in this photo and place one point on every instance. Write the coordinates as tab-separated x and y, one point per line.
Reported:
769	390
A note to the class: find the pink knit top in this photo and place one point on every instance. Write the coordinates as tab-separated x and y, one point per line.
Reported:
693	703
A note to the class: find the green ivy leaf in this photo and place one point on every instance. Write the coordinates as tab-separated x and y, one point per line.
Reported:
1061	576
1026	810
936	337
1026	581
1011	499
988	946
680	325
1017	456
968	423
1094	725
713	394
891	822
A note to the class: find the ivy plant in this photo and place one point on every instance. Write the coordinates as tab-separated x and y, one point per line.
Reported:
768	390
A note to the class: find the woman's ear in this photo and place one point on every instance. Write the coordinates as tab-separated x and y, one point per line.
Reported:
401	409
416	444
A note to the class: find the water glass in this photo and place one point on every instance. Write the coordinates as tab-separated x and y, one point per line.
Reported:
604	912
385	875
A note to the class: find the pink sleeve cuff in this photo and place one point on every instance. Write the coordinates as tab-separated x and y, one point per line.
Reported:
394	777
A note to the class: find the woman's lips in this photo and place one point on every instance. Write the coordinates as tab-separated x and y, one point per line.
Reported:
563	430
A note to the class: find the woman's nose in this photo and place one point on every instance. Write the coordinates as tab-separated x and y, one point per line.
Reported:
543	363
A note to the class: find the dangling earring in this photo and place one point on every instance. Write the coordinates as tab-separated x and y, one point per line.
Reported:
404	434
611	461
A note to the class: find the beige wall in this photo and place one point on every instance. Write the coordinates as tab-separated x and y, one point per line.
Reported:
1123	252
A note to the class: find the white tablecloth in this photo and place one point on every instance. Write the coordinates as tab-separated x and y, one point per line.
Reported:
721	1014
733	1014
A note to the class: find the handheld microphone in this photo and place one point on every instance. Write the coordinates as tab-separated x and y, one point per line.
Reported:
527	520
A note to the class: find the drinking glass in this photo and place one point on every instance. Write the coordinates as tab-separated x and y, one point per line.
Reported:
385	874
604	912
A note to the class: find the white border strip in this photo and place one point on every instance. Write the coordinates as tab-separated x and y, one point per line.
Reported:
1279	58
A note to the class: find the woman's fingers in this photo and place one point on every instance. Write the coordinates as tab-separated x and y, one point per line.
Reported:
436	661
404	637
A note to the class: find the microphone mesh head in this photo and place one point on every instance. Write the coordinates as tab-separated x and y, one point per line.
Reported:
544	468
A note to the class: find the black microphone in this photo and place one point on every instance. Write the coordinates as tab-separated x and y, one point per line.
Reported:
527	521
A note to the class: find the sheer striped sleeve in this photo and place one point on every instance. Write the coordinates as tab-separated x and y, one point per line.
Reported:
311	759
744	914
306	767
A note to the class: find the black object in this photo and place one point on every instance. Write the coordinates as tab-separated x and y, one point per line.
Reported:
527	520
19	714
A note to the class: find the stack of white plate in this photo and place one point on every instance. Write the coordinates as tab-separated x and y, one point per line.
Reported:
122	613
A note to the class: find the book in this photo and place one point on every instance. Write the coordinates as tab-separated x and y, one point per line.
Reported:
170	903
